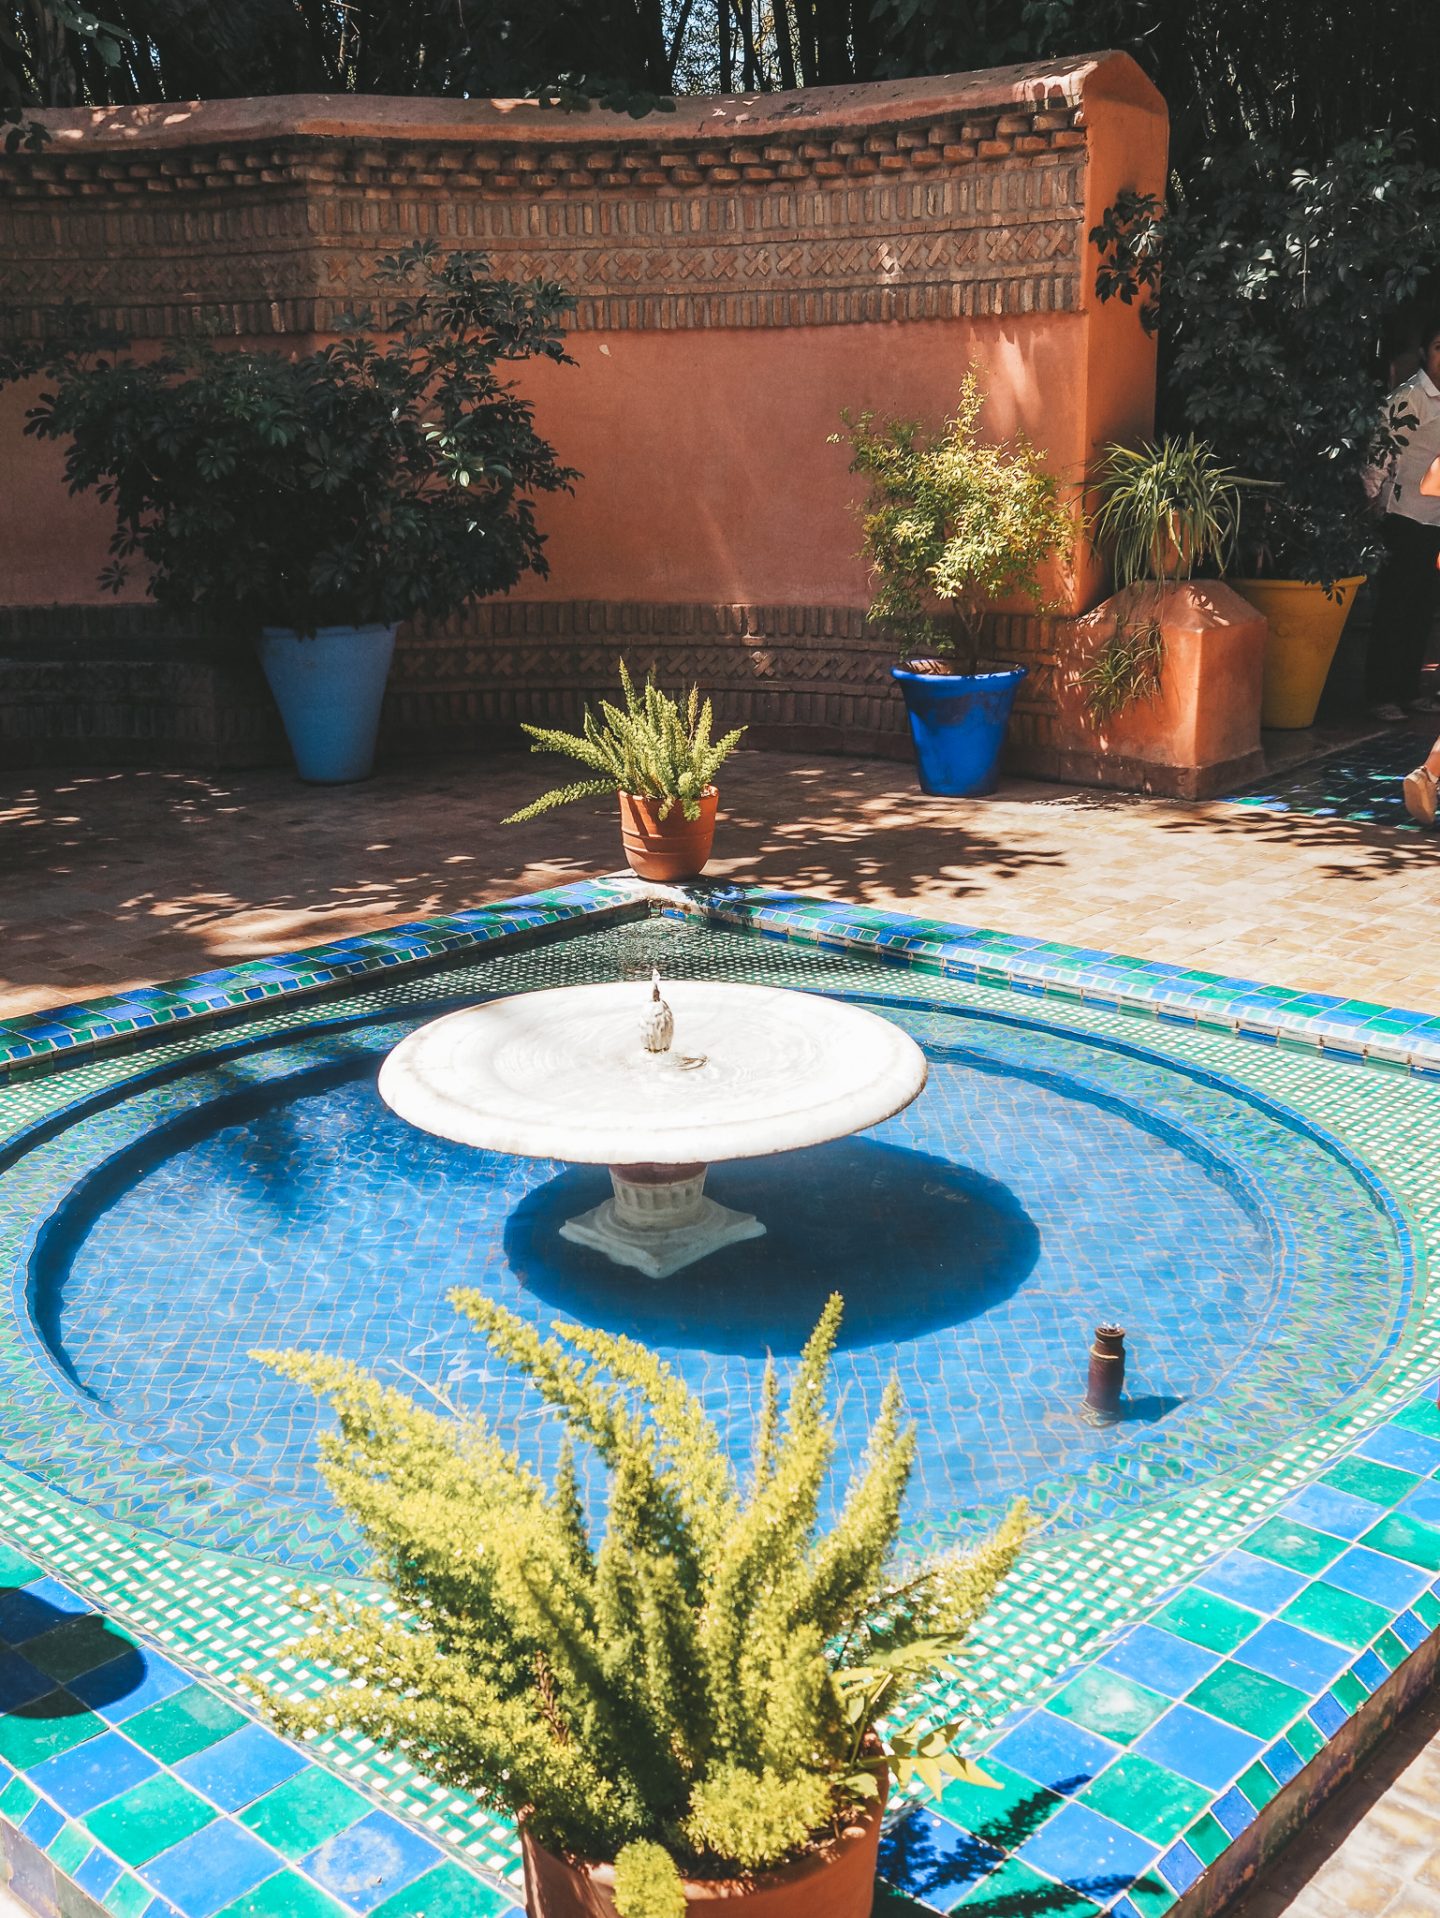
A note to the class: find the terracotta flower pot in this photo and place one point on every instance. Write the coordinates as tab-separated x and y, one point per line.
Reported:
666	849
836	1881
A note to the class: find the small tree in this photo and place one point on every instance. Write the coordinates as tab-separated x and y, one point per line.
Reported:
694	1693
953	518
387	474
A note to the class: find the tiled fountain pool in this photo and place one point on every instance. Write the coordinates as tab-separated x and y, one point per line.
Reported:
1098	1139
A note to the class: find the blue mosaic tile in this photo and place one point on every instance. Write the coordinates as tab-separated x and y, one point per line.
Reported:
1179	1867
367	1864
242	1767
1328	1714
1423	1503
1054	1752
1283	1762
42	1824
117	1691
1091	1854
211	1869
1198	1747
97	1873
1392	1445
100	1769
1250	1581
1295	1657
1329	1510
930	1859
1159	1659
1233	1812
1371	1575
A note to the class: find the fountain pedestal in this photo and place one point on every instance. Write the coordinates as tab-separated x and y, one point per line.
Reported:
657	1092
659	1220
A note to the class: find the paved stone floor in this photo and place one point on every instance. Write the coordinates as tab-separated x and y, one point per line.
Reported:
113	878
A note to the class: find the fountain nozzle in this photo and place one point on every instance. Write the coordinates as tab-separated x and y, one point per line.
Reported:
657	1028
1106	1379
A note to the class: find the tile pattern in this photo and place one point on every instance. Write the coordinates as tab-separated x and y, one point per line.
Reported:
1079	1595
1360	783
279	1206
159	1799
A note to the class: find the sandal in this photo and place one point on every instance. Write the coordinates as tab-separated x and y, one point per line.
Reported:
1421	792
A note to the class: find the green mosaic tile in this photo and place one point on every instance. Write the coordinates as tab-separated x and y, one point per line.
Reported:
1422	1416
127	1897
69	1845
1251	1700
53	1724
890	1903
1145	1798
1259	1786
77	1646
1285	1541
1207	1839
1003	1814
1381	1484
446	1892
1391	1653
1206	1619
1349	1691
15	1568
303	1812
1427	1609
1307	1738
1151	1896
1015	1891
18	1797
1105	1702
287	1895
1336	1615
1407	1538
149	1819
179	1727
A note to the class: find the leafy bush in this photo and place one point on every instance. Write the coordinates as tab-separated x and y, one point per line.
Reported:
952	518
651	749
1271	286
365	481
693	1694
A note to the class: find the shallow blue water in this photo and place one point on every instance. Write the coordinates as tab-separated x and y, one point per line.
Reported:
1040	1184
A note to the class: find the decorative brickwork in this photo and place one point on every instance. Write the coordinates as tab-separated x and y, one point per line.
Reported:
912	212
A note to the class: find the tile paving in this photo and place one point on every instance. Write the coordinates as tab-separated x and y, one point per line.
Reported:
113	879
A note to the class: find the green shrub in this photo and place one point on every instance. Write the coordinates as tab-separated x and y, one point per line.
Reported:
698	1689
952	518
388	474
651	749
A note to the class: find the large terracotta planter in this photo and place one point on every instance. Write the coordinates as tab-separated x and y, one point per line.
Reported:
1305	629
837	1881
669	849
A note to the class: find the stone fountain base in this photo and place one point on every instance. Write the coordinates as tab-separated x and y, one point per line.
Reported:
659	1220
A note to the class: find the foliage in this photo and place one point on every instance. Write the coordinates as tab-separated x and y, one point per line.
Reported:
690	1682
954	518
651	749
1278	281
1166	509
1307	78
359	482
1129	664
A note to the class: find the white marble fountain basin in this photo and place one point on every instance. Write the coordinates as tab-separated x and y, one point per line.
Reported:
565	1074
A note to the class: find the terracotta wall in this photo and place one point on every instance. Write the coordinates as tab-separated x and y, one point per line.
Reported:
743	269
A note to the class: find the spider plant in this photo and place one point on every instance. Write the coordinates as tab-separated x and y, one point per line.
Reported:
1166	509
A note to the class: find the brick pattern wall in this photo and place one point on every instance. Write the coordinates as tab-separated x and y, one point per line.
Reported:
975	213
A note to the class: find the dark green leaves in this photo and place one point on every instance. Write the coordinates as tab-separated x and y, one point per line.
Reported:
376	478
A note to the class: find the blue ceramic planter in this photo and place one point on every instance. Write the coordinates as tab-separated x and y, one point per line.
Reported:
329	686
958	722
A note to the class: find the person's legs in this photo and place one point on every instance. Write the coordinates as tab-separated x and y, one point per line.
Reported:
1405	603
1422	788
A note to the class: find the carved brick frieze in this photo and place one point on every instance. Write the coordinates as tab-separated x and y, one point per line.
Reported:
976	212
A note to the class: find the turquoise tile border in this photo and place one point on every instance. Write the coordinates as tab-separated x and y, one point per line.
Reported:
1232	1632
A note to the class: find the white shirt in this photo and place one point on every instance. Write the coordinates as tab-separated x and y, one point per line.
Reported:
1396	481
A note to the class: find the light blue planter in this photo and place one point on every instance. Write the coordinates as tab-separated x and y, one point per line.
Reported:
329	686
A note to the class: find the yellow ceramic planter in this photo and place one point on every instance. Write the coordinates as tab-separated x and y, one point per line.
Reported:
1305	629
